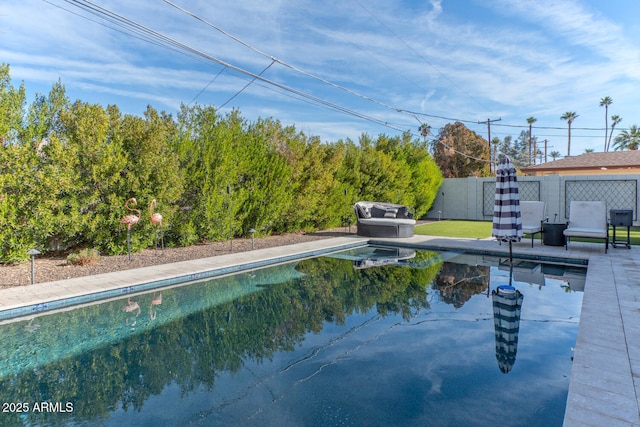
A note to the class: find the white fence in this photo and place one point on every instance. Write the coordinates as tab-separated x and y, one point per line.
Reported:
472	198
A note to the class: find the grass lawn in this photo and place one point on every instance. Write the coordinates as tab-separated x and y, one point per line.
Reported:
456	228
482	230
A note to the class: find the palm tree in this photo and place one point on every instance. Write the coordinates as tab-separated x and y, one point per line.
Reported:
569	116
605	102
614	121
554	154
494	141
425	131
531	121
628	140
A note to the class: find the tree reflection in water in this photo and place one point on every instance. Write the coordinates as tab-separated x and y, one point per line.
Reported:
210	335
124	366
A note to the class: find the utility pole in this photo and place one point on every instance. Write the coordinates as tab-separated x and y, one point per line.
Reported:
545	151
489	140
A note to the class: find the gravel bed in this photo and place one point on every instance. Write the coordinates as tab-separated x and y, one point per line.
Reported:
51	268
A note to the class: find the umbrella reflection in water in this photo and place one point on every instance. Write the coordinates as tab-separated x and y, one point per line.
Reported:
507	301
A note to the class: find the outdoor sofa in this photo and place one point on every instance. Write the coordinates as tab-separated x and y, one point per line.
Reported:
378	219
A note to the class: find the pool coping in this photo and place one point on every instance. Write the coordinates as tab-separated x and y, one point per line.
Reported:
51	296
602	391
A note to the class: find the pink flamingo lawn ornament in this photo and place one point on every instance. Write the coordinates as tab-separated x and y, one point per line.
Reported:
131	307
155	301
156	220
130	220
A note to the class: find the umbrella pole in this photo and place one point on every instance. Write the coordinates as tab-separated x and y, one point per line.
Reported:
511	274
510	253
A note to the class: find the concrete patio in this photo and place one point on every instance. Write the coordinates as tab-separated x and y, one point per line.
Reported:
603	389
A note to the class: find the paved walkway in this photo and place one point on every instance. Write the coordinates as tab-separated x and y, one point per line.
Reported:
605	378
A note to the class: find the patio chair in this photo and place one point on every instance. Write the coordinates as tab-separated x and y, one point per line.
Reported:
532	214
588	219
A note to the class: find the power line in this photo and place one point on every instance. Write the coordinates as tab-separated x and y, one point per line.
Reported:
551	127
284	64
419	55
133	34
399	127
489	121
141	32
246	86
171	43
207	86
306	73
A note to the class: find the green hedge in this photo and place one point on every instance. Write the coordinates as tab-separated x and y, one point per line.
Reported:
66	170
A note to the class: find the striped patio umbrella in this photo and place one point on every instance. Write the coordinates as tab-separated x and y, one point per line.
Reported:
507	220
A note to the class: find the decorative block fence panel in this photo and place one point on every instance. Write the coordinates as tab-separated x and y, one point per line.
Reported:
472	198
619	194
529	190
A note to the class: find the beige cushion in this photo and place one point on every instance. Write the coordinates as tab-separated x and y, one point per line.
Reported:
585	232
587	219
386	221
531	230
532	213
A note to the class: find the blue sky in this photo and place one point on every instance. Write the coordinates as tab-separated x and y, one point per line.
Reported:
345	67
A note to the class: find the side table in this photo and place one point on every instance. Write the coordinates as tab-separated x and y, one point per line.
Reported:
552	233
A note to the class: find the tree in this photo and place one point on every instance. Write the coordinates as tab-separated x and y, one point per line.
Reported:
67	168
21	205
503	147
460	152
554	154
628	139
531	121
94	136
605	102
44	117
37	183
516	149
318	196
425	180
569	116
153	171
524	146
12	102
495	141
425	131
614	121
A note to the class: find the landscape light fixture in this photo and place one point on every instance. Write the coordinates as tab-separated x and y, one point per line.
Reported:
33	253
252	231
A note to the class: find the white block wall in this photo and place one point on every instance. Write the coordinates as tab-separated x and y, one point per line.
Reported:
462	198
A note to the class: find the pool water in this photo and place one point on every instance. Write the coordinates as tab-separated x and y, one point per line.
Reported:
367	336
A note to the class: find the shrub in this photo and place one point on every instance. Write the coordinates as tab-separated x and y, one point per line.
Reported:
83	257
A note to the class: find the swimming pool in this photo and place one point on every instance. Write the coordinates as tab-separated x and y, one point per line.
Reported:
367	336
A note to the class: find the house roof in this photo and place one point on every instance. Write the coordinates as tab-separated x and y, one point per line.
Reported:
608	160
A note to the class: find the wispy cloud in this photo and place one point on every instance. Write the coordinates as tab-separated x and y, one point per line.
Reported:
484	58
